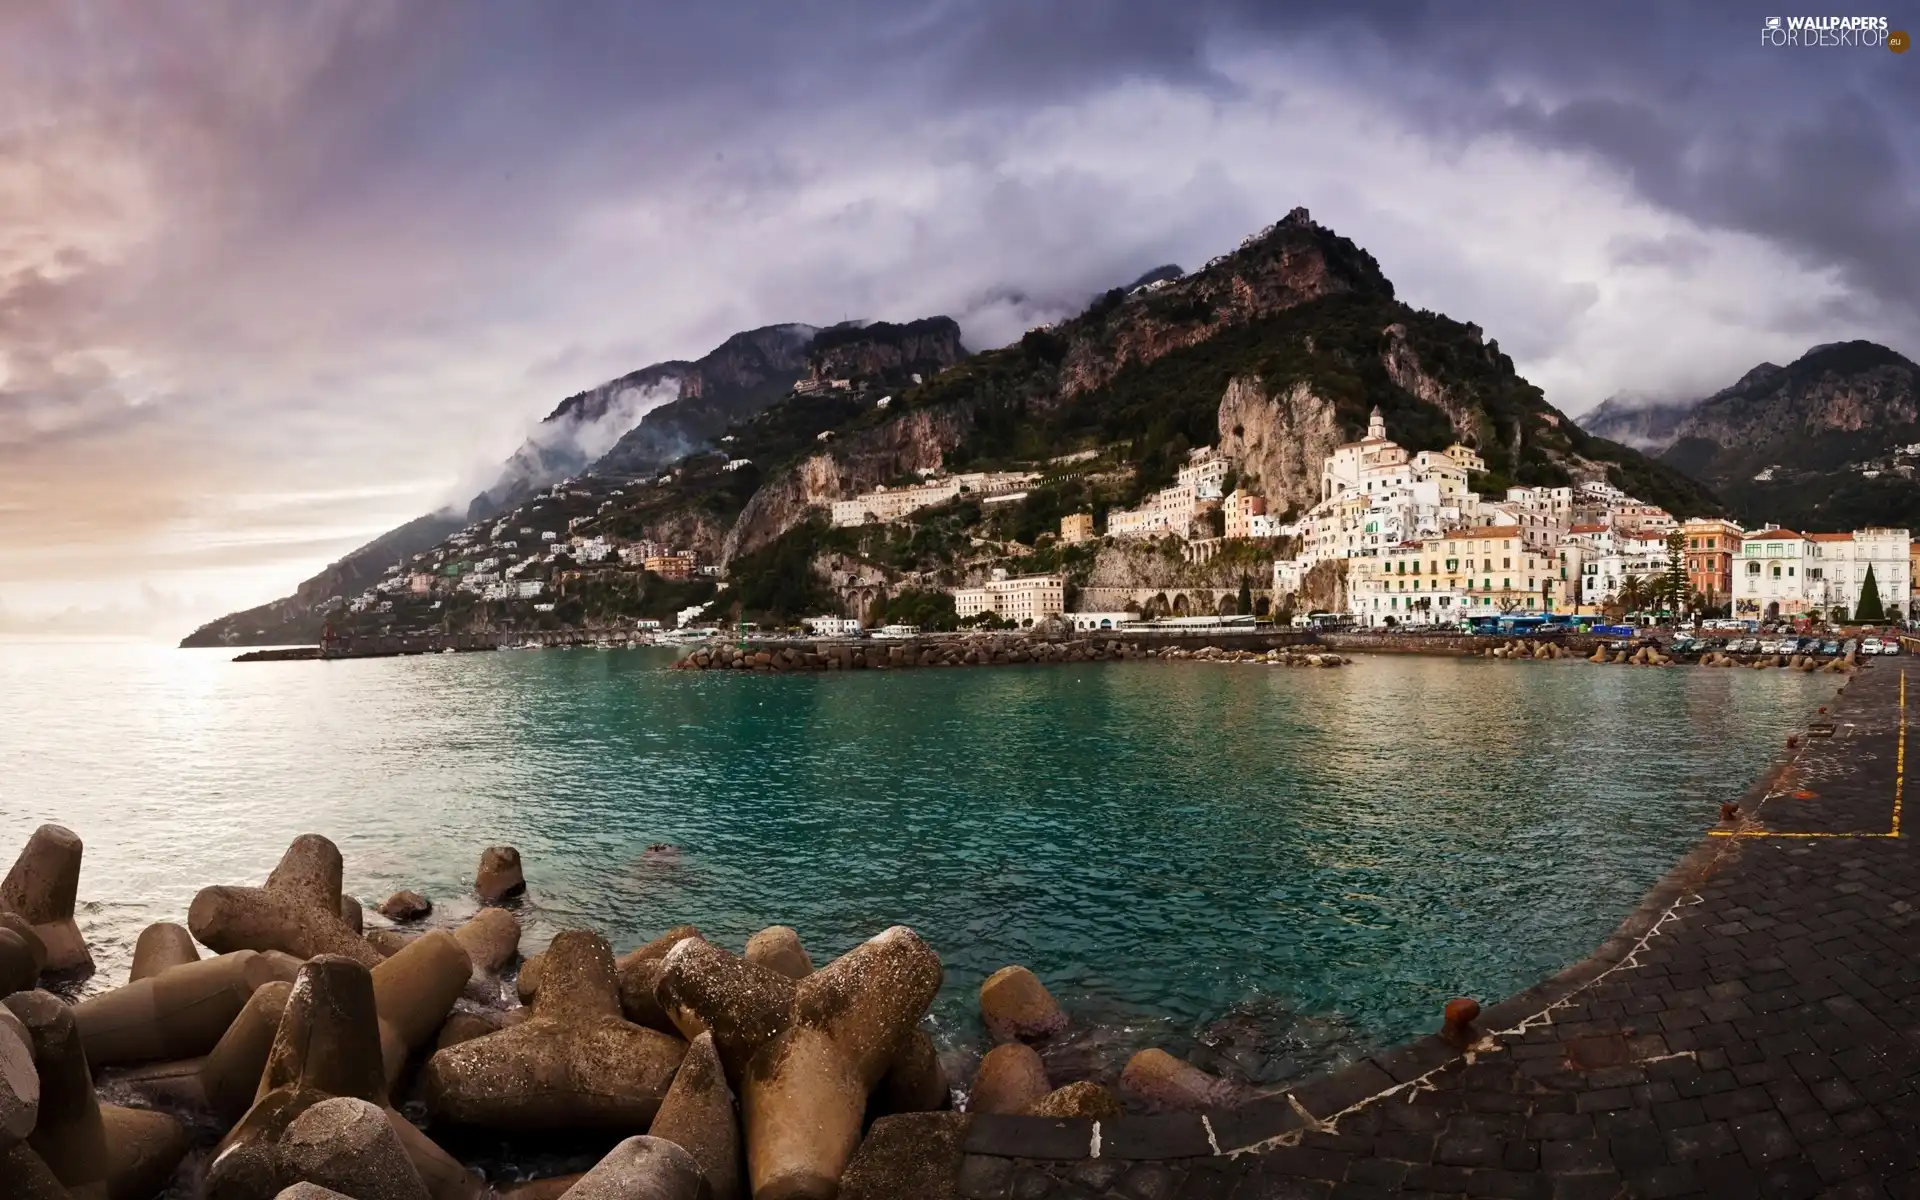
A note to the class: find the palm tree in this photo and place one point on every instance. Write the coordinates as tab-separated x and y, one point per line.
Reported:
1633	593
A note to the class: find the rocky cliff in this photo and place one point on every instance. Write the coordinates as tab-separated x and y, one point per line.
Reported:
1285	265
739	378
864	460
1813	443
1278	442
881	354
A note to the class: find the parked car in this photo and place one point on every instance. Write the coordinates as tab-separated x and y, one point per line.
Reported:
1746	646
1830	648
1870	646
1890	646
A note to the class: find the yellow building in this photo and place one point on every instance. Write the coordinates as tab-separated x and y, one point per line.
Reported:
1076	527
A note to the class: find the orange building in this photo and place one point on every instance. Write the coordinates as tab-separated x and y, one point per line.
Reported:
669	566
1711	545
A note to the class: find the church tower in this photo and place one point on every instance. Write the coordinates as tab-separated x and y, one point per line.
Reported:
1376	426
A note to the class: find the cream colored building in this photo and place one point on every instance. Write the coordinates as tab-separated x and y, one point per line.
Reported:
1076	527
1023	599
1464	573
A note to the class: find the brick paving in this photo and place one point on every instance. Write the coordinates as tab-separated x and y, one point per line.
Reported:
1757	1035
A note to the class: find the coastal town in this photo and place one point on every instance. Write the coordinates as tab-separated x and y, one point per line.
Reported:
1402	539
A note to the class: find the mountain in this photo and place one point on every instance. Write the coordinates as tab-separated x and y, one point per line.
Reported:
1647	425
1816	443
1275	351
646	419
741	376
298	619
649	417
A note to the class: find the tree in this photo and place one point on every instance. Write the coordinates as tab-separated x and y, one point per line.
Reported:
1634	593
1244	603
1673	590
1869	611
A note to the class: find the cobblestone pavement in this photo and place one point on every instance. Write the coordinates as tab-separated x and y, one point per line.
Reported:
1762	1039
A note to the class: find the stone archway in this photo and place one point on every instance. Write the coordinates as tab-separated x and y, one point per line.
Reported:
1157	607
1773	611
1181	606
1262	606
1228	606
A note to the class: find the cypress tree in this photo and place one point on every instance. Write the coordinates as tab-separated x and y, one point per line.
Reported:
1245	599
1869	611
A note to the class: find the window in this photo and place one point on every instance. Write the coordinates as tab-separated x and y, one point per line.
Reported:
1776	572
1506	563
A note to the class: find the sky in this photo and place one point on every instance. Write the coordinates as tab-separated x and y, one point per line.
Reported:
276	277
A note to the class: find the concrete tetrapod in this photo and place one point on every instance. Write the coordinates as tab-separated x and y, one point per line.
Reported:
1166	1082
1011	1077
22	927
915	1154
180	1013
160	946
1014	1004
805	1092
527	984
642	1168
353	914
639	972
24	1175
704	987
499	875
297	910
413	992
68	1134
491	939
42	887
230	1074
778	948
327	1045
143	1149
349	1145
698	1116
916	1080
575	1062
173	1084
19	1080
19	968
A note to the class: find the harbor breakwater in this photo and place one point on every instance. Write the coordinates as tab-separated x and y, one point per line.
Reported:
974	650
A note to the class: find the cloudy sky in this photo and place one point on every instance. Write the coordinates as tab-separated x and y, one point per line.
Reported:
277	276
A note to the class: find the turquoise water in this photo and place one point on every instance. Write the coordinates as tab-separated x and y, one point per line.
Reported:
1289	865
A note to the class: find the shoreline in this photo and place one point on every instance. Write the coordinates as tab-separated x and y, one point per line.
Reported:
1298	1118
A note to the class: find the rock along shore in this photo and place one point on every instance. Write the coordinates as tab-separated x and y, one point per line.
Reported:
964	651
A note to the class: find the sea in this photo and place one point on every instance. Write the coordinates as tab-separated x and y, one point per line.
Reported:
1268	870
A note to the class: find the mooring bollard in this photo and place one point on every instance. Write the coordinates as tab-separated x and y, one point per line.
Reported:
1729	812
1459	1018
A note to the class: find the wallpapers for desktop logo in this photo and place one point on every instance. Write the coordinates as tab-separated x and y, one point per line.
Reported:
1849	32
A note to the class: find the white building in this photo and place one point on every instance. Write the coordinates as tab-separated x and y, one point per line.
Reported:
1770	576
1836	570
890	504
1093	622
831	626
1023	599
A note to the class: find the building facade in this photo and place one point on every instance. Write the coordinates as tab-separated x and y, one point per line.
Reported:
1023	599
1711	546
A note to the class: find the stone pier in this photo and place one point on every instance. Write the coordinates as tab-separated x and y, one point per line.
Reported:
1752	1030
